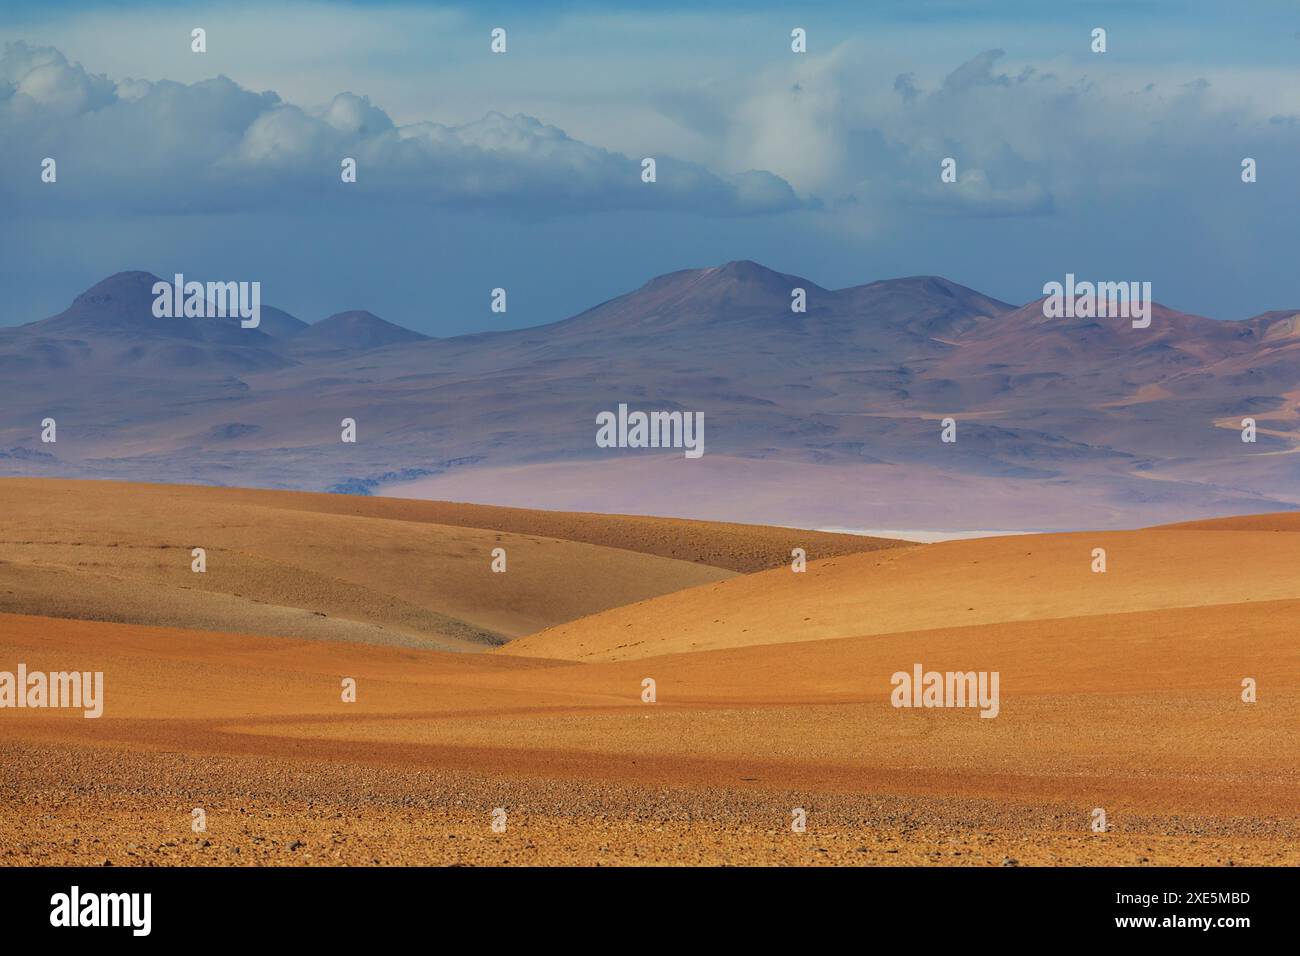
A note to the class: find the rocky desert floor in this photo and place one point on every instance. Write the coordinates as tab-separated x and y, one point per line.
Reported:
516	699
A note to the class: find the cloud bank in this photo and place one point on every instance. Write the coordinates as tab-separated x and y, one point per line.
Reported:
213	146
1029	140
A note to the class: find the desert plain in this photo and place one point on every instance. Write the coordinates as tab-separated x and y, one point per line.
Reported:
518	697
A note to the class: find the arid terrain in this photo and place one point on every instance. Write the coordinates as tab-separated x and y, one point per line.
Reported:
523	690
353	568
829	418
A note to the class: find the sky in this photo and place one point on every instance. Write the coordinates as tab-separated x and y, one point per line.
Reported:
523	170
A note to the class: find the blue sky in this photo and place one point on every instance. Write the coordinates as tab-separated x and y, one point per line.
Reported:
523	170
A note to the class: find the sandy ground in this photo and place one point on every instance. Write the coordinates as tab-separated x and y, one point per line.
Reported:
362	815
351	568
1119	691
1140	716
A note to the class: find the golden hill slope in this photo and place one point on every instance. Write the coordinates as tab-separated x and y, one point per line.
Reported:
1138	713
980	581
347	568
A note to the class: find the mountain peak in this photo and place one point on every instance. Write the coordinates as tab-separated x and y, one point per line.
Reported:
356	329
740	283
120	291
749	272
123	303
741	269
353	316
929	305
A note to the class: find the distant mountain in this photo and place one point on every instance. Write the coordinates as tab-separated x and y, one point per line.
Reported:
111	326
123	305
280	325
745	294
829	417
355	330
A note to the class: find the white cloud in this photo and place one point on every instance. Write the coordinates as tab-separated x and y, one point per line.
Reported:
215	146
42	80
1027	137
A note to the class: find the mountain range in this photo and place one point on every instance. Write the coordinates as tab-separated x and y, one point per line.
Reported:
827	418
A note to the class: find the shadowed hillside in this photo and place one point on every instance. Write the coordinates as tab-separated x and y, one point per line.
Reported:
360	569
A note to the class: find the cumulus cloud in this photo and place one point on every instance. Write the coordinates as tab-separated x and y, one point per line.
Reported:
41	80
214	146
1029	139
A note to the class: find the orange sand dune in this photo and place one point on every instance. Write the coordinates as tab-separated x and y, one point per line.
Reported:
981	581
349	568
1283	521
1120	691
1136	713
734	547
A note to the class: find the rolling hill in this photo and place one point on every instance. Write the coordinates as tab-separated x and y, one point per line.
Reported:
335	567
